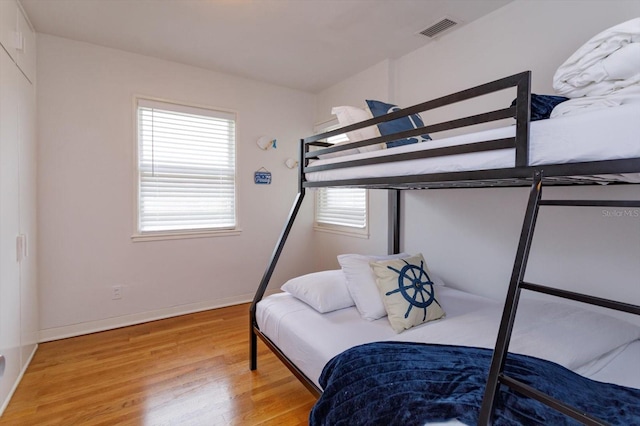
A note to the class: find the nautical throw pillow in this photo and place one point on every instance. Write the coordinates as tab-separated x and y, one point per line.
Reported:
398	125
407	291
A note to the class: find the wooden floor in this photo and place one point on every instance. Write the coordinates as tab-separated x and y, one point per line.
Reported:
188	370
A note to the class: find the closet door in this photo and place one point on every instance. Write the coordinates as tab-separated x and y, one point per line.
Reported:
28	275
9	226
9	25
26	46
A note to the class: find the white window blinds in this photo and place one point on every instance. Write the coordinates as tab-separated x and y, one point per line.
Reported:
186	168
343	207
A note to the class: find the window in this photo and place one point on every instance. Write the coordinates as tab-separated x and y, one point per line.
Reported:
341	209
186	169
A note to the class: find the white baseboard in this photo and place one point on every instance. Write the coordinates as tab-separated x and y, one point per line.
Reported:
73	330
15	385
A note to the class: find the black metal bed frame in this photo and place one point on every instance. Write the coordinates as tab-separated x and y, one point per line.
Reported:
521	175
496	371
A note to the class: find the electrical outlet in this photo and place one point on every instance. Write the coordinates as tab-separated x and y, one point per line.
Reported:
116	292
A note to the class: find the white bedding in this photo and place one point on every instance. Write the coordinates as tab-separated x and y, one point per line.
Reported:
581	105
608	62
605	134
621	367
570	336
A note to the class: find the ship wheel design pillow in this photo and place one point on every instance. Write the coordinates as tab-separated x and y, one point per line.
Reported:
407	291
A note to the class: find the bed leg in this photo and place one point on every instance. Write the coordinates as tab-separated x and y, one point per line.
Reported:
253	342
394	221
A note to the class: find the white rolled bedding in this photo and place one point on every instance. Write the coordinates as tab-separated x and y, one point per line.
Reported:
608	62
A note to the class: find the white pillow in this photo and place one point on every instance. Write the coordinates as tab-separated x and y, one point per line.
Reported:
361	283
324	291
339	153
348	115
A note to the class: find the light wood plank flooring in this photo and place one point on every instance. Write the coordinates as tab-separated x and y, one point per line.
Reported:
187	370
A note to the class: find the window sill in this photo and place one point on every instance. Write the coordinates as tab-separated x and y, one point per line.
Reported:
160	236
357	233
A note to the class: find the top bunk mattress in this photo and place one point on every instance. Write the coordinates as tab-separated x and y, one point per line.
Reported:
605	134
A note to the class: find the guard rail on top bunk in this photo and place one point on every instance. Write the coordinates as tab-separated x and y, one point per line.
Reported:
521	113
519	175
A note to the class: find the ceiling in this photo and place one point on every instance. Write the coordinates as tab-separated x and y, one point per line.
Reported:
302	44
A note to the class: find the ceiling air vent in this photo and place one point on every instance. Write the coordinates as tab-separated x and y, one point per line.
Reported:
438	28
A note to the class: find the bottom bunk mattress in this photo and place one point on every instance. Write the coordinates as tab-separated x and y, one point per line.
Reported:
310	339
396	383
579	339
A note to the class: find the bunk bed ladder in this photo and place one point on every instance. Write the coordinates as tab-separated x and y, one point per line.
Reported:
496	371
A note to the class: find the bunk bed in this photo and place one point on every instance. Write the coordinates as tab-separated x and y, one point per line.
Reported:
509	369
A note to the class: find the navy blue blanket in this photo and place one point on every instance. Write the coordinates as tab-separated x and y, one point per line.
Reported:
396	383
542	105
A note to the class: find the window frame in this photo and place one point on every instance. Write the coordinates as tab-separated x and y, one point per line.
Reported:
333	228
140	236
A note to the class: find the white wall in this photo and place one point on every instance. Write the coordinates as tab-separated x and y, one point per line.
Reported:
86	180
469	237
372	83
86	190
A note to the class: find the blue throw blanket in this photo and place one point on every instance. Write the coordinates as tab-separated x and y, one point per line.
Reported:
542	105
396	383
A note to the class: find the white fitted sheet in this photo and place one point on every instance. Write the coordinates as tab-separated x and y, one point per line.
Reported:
310	339
621	366
606	134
